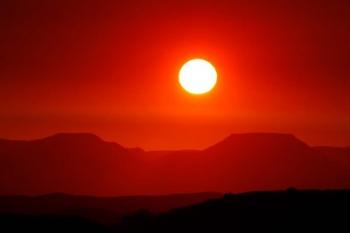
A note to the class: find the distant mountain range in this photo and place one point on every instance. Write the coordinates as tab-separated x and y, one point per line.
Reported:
85	164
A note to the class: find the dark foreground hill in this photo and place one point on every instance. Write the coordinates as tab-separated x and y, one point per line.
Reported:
287	211
103	210
85	164
290	211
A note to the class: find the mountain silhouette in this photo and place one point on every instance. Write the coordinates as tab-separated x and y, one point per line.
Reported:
85	164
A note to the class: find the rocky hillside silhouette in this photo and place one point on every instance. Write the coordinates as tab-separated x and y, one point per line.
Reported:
283	211
101	210
288	211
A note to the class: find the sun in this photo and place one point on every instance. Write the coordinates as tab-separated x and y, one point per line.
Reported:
198	76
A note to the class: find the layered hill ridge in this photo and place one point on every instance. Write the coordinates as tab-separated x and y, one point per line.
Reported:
105	210
85	164
278	211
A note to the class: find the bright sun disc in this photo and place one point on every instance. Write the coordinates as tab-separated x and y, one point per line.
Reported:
198	76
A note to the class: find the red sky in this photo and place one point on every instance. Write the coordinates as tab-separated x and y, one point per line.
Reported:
110	68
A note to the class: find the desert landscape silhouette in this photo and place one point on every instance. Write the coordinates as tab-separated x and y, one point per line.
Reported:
174	116
127	190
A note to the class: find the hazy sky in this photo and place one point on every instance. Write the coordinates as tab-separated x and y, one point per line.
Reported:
110	68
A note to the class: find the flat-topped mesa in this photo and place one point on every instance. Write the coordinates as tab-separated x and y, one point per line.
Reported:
60	137
73	137
80	140
259	140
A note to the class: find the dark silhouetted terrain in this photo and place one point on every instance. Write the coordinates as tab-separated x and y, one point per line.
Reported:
290	211
104	210
287	211
84	164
